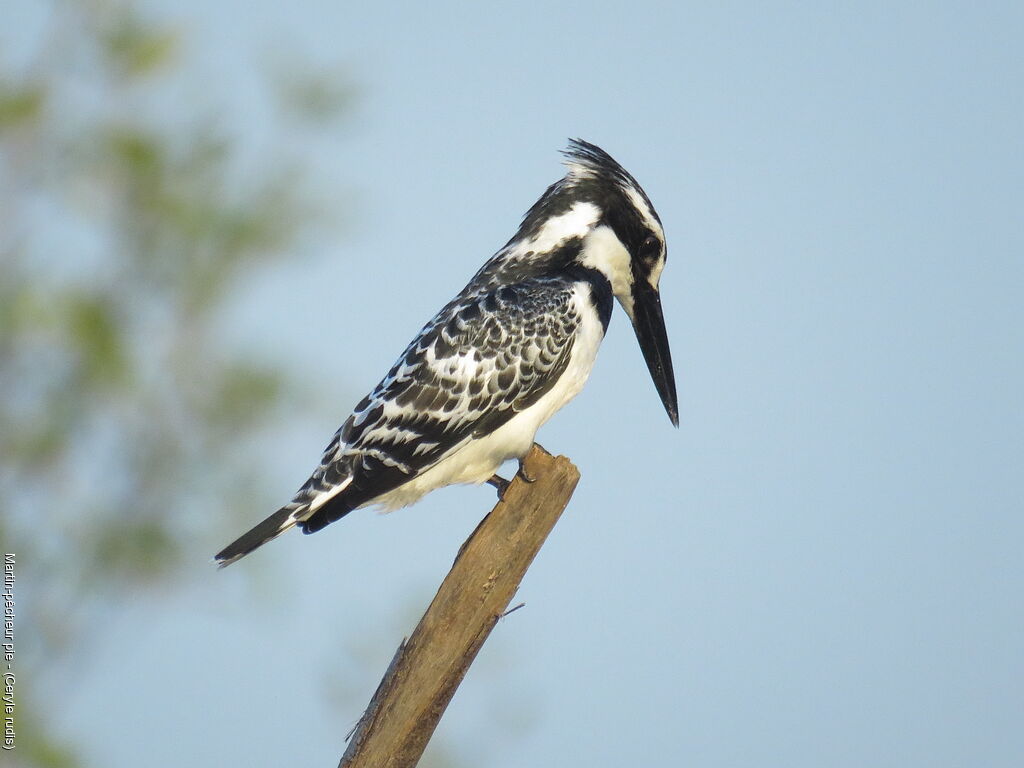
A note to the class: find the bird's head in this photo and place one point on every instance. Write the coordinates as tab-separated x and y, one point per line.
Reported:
599	218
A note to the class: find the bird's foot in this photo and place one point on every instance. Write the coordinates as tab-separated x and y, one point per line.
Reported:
500	483
524	474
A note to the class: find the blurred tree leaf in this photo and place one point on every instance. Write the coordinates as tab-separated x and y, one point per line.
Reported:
20	105
314	97
136	550
122	238
134	47
239	389
96	335
35	744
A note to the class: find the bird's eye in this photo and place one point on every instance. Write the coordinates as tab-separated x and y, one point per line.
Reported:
650	249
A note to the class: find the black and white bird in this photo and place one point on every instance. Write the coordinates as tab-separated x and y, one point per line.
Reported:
514	346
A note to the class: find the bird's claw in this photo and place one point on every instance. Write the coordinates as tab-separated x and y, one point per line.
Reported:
524	474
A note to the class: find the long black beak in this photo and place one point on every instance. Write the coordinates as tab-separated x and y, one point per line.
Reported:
649	324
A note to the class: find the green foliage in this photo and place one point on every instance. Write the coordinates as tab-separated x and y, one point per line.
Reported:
35	745
95	339
20	105
316	97
134	48
121	240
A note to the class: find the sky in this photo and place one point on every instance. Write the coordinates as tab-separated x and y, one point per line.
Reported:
821	566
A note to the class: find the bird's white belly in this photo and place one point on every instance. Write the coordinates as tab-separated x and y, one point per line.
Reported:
477	459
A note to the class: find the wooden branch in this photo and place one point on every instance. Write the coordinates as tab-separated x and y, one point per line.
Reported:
428	667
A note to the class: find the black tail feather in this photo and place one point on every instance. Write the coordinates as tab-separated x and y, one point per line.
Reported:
271	528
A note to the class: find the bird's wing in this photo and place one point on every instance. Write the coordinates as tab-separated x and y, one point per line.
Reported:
482	359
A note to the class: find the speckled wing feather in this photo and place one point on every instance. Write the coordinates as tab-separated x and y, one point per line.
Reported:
489	354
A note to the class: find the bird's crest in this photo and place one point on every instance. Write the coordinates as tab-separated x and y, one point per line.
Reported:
585	161
588	162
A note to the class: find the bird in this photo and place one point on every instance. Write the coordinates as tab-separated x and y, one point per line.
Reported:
497	361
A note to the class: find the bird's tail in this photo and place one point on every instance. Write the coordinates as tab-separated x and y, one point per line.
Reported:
271	528
319	502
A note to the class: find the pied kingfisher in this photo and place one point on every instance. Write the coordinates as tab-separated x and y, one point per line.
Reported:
514	346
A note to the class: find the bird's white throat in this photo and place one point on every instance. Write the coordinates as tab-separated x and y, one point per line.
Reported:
603	251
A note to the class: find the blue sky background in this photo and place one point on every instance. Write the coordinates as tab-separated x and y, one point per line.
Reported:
822	566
